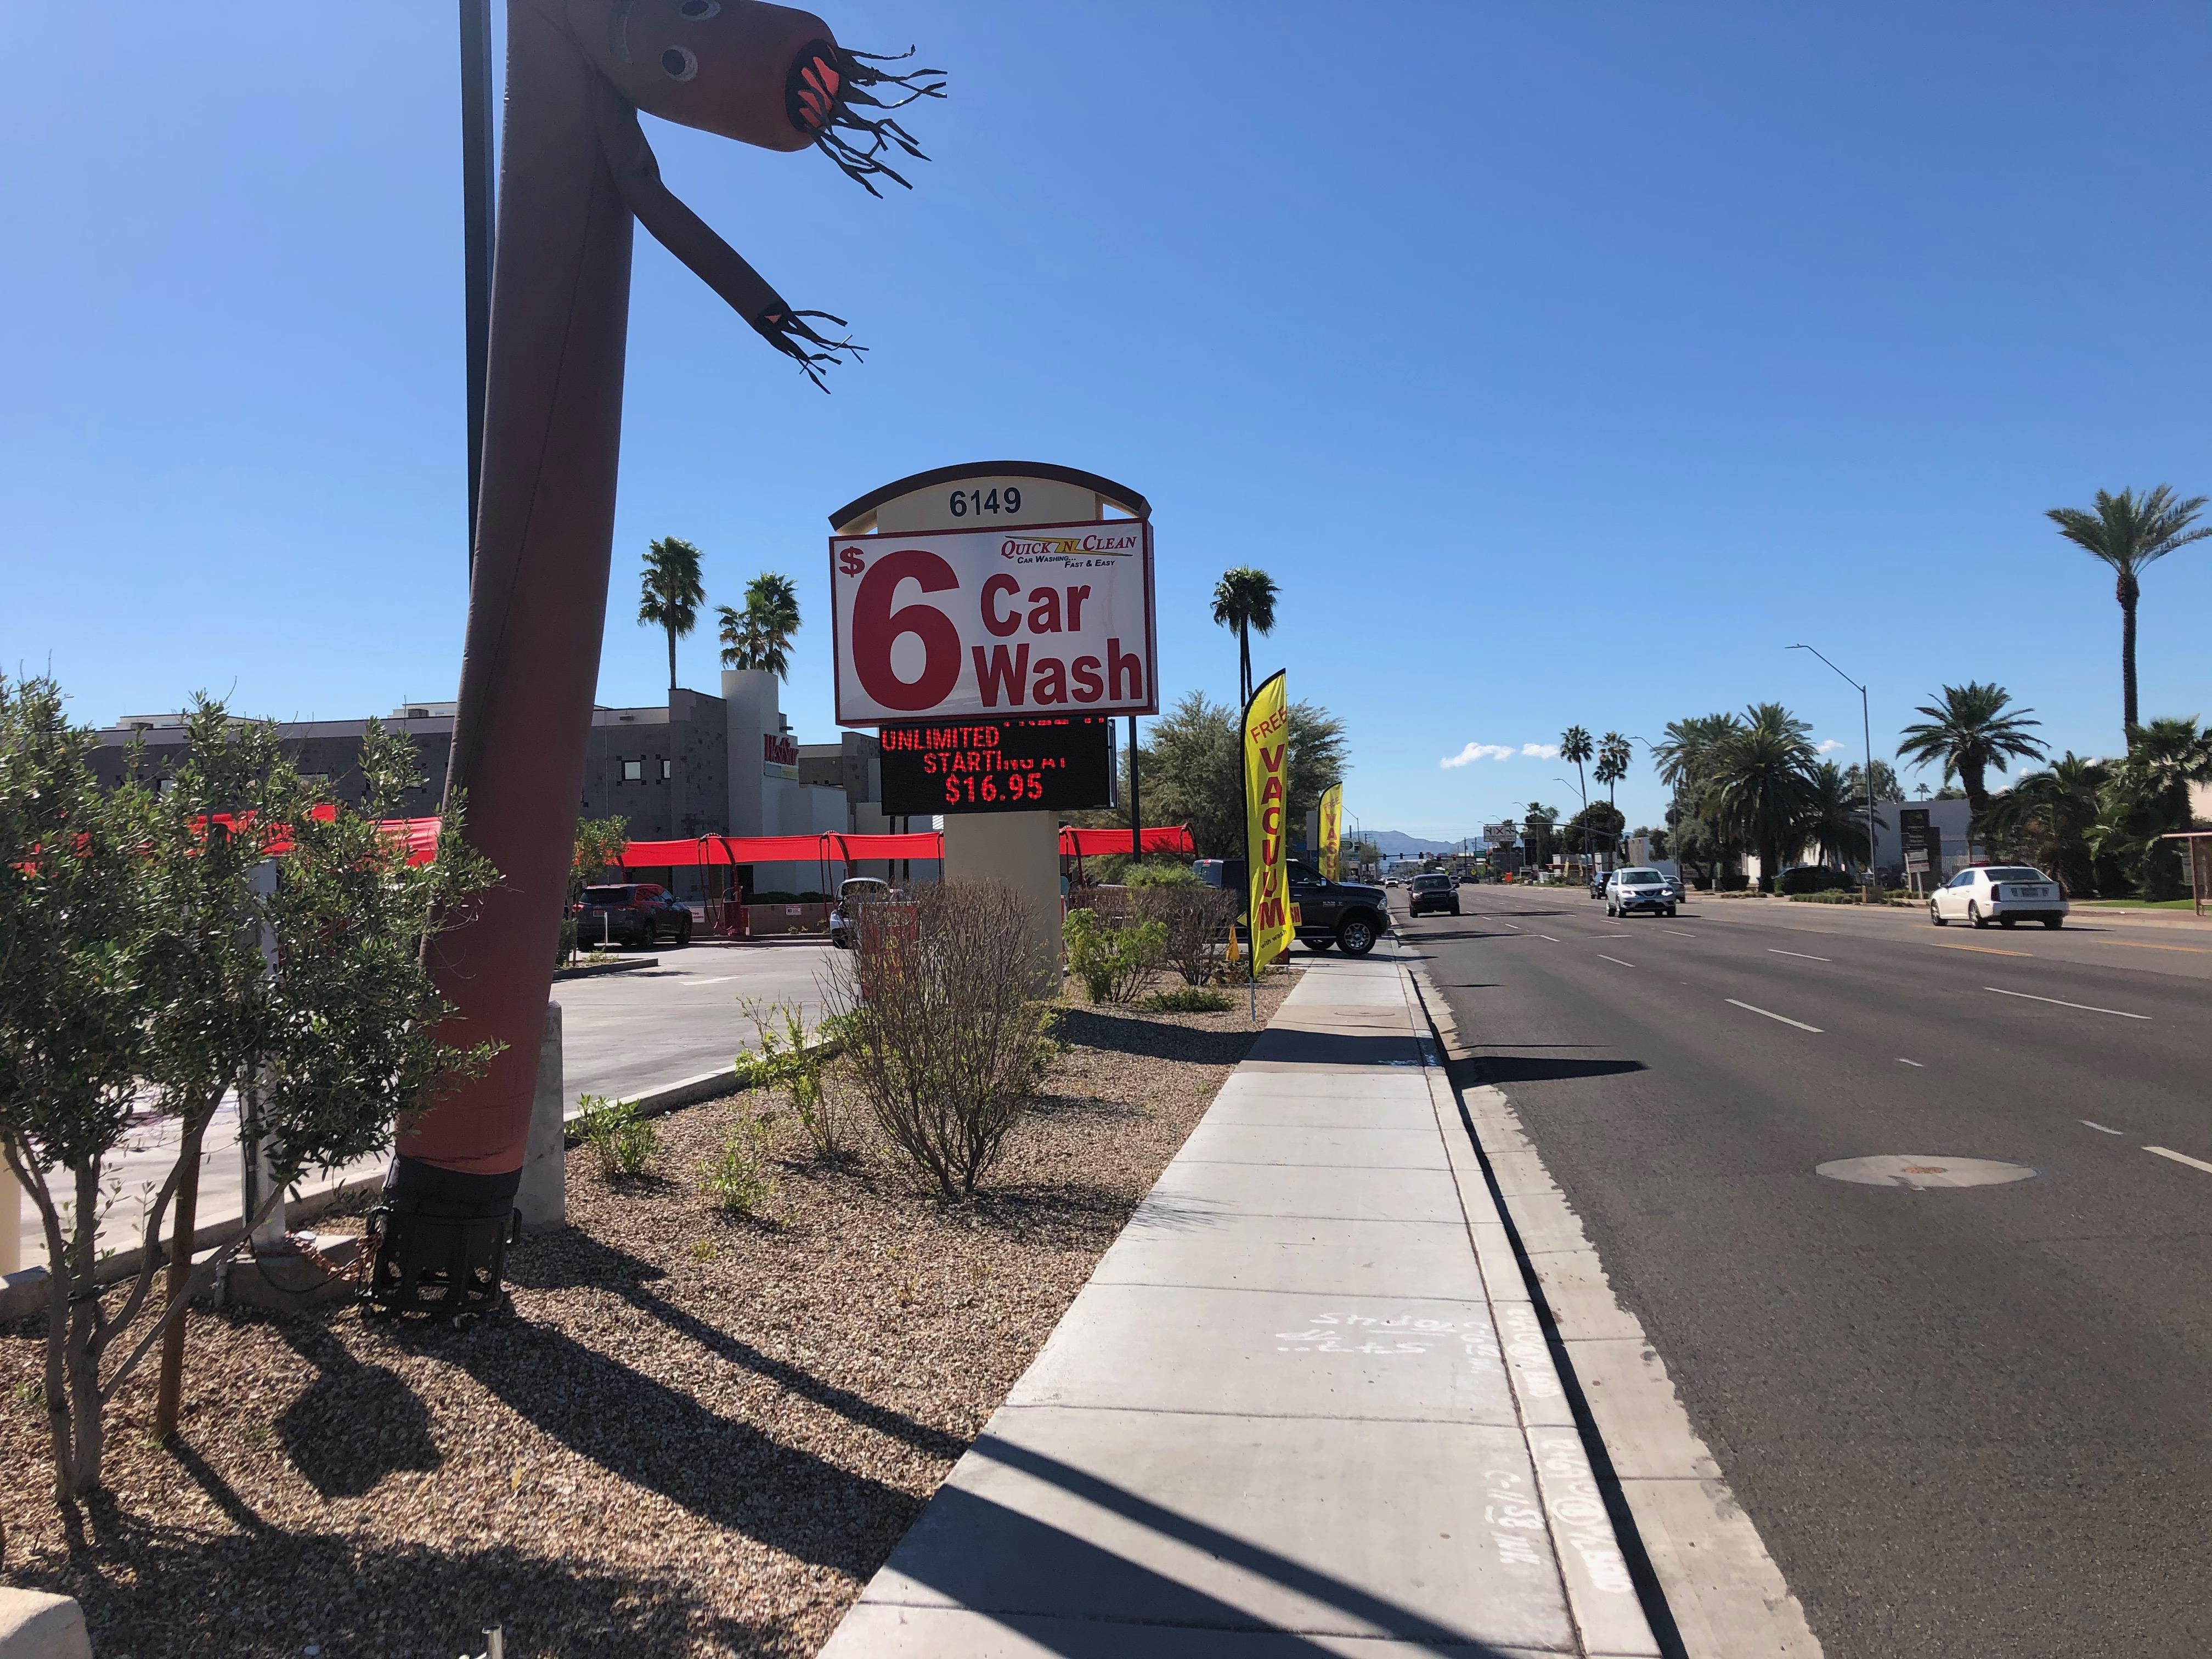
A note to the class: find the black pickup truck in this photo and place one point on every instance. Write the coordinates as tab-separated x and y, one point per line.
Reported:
1330	912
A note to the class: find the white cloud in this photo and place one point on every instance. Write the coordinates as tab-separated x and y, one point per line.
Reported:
1827	743
1475	752
1541	751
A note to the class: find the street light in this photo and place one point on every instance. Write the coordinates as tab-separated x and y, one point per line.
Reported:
1866	730
1585	794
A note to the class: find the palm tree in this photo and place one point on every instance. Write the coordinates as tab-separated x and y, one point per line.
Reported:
759	636
1836	815
1690	746
2147	797
1575	746
1758	783
670	593
1971	732
1614	756
1245	600
2128	533
1884	781
2044	819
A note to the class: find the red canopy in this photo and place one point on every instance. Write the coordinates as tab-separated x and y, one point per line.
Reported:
1092	843
830	846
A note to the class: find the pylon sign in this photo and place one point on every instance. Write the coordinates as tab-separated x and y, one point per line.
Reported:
1038	619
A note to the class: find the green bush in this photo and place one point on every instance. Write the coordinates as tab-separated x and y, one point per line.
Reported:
1190	999
1113	963
622	1141
568	942
1815	879
789	1061
737	1178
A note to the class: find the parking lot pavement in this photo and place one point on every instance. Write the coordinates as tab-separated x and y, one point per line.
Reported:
626	1033
623	1034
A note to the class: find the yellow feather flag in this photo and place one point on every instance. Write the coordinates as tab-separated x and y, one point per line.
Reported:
1266	781
1332	832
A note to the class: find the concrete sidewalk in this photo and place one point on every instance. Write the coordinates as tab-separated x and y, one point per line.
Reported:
1302	1405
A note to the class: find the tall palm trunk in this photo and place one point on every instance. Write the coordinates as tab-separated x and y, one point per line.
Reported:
1244	665
672	663
2128	591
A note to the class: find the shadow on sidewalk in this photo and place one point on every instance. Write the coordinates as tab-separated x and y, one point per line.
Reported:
993	1560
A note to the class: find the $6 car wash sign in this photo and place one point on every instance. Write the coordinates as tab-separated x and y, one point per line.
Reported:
1038	619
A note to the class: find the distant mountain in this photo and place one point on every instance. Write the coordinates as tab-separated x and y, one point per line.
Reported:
1394	843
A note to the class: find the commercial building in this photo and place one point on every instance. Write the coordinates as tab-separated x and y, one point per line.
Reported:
697	765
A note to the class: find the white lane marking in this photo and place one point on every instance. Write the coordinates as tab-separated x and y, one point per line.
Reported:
1678	933
1801	955
1548	936
2085	1008
2181	1157
1914	1064
719	979
1771	1014
2098	1128
1613	936
1602	956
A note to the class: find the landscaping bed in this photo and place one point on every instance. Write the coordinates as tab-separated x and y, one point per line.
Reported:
693	1432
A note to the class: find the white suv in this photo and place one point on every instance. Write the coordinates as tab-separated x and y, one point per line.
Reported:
1627	891
2003	893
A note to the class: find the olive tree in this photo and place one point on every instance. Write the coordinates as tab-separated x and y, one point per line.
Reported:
229	935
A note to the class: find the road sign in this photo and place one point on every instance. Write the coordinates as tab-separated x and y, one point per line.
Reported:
997	766
995	622
1497	835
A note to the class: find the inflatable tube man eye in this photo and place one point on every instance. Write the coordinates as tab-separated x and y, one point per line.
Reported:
763	75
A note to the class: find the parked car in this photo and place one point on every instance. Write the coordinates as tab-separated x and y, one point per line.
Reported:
1347	913
636	914
1432	893
1627	891
844	911
2003	893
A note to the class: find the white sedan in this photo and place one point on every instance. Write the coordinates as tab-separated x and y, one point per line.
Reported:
2003	893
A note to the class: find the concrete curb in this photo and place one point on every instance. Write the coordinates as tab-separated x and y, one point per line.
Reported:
596	969
1607	1597
1719	1593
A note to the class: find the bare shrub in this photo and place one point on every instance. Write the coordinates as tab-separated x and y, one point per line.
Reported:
1196	918
942	1026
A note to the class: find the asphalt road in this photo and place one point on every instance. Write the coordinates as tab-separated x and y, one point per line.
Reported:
1971	1421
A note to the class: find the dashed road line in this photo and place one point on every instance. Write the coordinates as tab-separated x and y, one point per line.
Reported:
1679	933
1548	936
1801	955
1602	956
1986	949
1771	1014
1914	1064
2138	945
719	979
2098	1128
2086	1007
2181	1157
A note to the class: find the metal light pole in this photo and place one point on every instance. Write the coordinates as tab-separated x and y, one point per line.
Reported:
1585	794
1866	730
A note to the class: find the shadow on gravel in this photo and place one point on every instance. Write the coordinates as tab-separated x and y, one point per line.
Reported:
181	1595
1094	1028
356	1423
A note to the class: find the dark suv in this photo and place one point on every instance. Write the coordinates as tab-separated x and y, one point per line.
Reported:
1432	892
1330	912
635	913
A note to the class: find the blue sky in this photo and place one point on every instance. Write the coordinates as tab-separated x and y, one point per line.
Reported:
1563	363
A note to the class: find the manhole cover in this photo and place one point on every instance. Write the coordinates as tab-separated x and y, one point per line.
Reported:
1923	1170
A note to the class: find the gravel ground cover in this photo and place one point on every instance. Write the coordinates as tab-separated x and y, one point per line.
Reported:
694	1433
